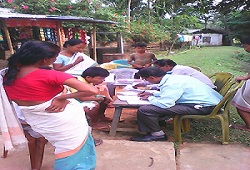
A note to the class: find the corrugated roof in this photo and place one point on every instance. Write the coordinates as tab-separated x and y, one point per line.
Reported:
53	17
210	30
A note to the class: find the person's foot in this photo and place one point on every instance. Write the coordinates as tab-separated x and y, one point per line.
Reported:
149	138
99	126
98	142
105	119
241	127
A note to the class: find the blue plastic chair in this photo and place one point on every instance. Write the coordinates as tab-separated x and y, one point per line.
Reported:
123	63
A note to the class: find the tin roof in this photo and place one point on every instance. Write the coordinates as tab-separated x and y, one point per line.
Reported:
53	17
210	30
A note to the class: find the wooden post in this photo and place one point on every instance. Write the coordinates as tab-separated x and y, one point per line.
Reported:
7	34
59	36
119	42
94	42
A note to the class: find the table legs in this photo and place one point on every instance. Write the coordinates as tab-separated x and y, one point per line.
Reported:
111	89
116	118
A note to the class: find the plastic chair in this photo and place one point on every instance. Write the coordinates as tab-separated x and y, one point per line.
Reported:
221	79
124	73
196	68
221	112
123	63
227	87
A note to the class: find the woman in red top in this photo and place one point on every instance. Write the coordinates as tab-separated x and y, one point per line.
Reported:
56	116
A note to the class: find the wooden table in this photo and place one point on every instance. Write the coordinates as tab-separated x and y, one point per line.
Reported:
119	105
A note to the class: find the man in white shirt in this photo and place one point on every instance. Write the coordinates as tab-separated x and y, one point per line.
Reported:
170	67
178	95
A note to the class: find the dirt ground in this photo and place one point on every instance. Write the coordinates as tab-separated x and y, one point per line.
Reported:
127	127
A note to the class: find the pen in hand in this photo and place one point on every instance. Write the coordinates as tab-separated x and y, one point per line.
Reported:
141	93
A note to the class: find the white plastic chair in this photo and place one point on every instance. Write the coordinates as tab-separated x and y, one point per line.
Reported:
124	73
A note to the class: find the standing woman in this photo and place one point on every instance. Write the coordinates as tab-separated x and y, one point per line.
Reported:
58	117
71	47
241	99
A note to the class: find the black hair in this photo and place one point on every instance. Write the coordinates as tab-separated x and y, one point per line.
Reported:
95	71
140	45
28	54
151	71
246	41
164	62
73	42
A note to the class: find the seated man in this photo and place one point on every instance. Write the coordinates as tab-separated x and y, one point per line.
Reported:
96	76
170	67
178	95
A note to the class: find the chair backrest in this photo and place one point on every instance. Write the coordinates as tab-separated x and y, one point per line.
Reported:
196	68
124	73
227	87
220	79
225	103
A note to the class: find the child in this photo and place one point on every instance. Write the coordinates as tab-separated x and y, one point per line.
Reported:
141	59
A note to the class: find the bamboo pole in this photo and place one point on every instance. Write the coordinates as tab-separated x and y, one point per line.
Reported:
7	34
94	42
59	36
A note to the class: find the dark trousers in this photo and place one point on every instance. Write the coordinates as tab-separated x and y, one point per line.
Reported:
148	116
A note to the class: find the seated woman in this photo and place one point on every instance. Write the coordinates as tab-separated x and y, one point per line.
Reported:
71	48
58	117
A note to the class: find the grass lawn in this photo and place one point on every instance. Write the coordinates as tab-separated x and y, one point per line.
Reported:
212	60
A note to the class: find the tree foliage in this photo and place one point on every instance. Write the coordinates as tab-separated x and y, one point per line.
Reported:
239	24
151	20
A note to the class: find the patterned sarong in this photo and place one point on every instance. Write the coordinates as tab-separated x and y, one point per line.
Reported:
11	128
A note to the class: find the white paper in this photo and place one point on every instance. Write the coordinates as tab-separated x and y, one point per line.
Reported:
128	93
132	99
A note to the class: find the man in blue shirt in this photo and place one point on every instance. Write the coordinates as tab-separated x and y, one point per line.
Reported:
178	94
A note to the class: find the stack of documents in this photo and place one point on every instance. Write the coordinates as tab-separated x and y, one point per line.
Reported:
131	98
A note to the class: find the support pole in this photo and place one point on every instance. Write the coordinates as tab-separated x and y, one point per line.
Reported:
7	34
59	36
94	42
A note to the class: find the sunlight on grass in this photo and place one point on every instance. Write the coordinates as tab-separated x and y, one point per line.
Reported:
211	59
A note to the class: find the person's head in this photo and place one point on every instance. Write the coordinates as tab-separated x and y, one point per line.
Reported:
95	75
38	53
165	64
140	47
152	74
246	44
74	45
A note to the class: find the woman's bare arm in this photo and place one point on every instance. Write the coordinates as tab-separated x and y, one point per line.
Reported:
83	89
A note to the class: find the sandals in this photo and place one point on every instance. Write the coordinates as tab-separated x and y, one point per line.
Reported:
98	142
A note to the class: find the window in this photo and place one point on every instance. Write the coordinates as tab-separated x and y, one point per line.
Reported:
207	39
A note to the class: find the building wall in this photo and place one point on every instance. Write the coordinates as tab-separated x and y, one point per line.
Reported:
210	39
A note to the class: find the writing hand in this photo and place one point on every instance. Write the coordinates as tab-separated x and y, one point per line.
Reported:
144	97
144	93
